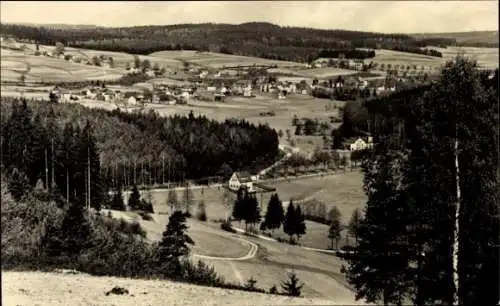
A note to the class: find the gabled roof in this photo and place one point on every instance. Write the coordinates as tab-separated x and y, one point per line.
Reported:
243	177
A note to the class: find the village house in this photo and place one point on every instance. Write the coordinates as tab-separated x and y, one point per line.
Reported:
239	179
360	144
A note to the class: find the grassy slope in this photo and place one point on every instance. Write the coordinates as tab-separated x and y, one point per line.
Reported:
320	272
26	288
219	60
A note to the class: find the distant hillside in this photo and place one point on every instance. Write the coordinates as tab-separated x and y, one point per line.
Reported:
466	39
258	39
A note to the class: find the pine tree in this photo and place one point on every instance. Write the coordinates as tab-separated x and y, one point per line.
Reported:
72	237
289	225
335	230
117	202
274	215
238	213
292	286
252	210
174	245
134	200
380	268
300	223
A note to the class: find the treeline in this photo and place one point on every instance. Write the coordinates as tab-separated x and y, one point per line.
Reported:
423	51
137	148
431	227
251	39
347	54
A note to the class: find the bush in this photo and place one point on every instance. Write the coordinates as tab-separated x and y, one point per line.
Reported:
145	216
226	226
273	290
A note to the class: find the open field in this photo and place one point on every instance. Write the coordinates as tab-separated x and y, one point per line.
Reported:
219	60
326	72
269	266
45	69
120	59
486	57
57	289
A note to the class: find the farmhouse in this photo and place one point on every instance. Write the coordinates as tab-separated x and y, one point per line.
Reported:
359	144
239	179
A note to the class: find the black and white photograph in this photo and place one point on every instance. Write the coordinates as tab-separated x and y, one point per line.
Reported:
170	153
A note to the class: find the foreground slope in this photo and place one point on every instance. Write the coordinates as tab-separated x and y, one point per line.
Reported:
26	288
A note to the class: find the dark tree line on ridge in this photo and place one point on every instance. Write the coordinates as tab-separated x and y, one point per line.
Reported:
251	39
432	168
125	148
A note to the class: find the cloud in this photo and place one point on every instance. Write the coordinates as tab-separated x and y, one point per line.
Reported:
375	16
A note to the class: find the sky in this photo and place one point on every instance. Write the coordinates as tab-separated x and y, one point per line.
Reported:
373	16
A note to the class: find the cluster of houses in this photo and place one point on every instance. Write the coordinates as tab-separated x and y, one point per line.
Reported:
353	64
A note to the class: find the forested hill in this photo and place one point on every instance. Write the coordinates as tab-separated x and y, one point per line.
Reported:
466	39
251	39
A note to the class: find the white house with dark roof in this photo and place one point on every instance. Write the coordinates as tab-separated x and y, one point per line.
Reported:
239	179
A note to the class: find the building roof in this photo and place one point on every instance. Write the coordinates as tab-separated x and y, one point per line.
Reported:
243	176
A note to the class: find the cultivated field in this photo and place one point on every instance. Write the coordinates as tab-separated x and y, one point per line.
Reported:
121	59
56	289
39	69
219	60
486	57
326	72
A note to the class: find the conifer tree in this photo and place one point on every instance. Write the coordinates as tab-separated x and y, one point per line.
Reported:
174	245
300	223
238	213
117	202
252	210
274	215
289	225
134	200
72	237
292	286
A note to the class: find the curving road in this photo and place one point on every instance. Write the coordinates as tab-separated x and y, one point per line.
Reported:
251	253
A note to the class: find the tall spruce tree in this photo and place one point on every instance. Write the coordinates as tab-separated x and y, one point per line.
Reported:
134	200
274	215
174	245
378	271
252	210
289	225
300	222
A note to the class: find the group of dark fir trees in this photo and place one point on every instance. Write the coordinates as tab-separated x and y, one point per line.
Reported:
251	39
431	229
246	208
125	149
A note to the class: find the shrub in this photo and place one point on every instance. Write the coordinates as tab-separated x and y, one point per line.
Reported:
273	290
145	216
226	226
